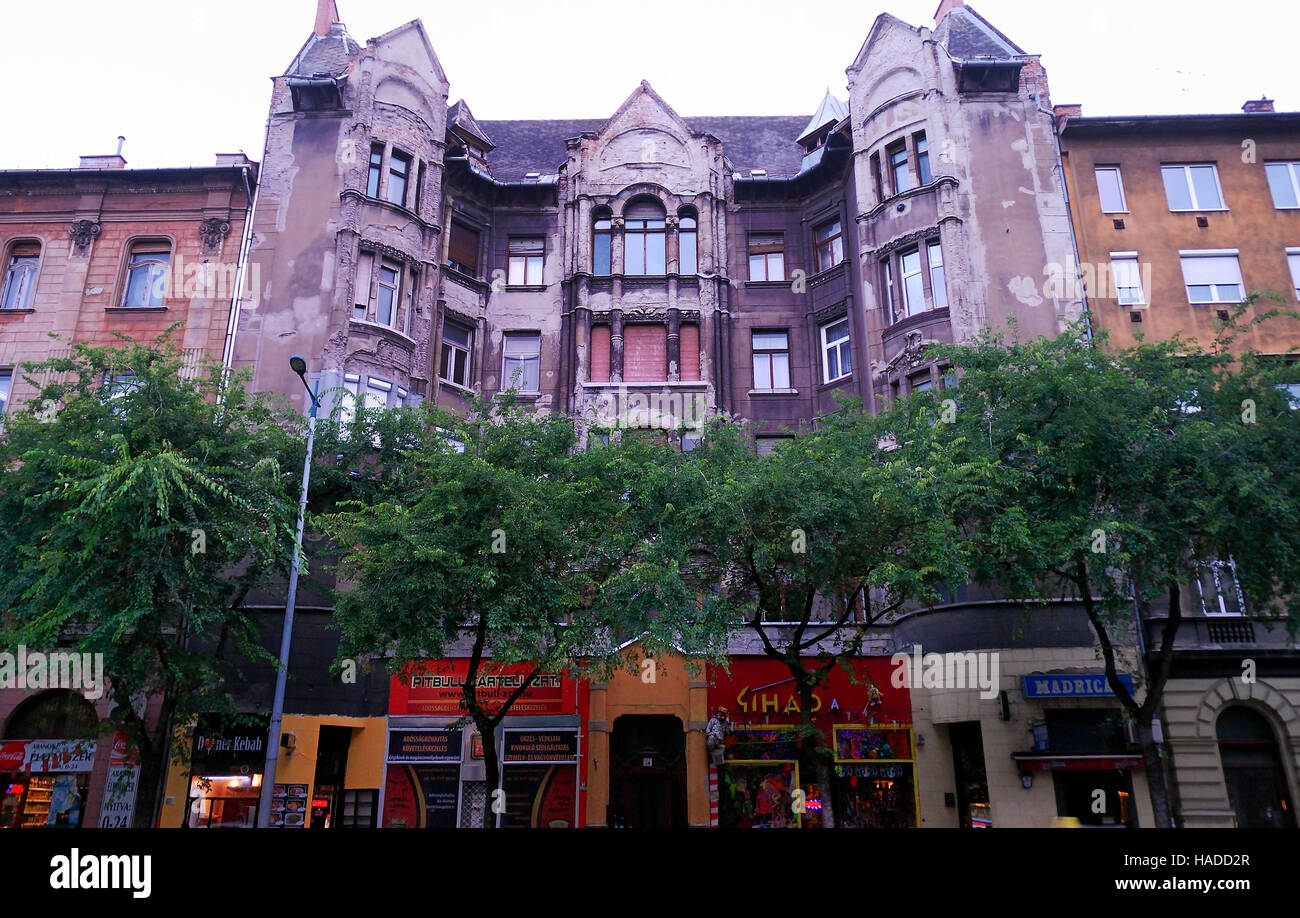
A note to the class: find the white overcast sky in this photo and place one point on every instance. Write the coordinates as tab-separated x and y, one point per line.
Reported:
185	80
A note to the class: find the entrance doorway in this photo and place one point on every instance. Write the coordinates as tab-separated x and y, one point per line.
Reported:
647	781
1252	770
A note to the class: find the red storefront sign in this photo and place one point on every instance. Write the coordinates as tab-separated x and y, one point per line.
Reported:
762	691
436	687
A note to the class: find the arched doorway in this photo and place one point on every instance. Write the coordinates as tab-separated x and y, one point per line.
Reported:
647	773
46	756
1252	770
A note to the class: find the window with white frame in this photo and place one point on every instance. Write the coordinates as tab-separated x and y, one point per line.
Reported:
1293	261
147	269
6	386
525	265
387	291
454	366
1219	591
913	286
837	360
20	276
1193	187
829	241
771	360
938	284
383	290
1110	188
766	256
345	406
1127	278
521	361
1212	276
1284	183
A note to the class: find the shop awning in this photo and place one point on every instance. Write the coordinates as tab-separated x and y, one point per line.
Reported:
1054	761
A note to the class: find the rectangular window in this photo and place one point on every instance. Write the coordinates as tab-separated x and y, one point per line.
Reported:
1220	594
898	169
462	249
1293	260
1212	277
689	350
938	284
525	261
922	157
830	245
771	360
913	289
376	166
766	256
346	406
387	292
20	276
686	246
1127	277
1110	187
876	177
837	361
887	280
455	354
521	361
361	286
6	386
146	274
1192	187
1284	182
399	170
600	254
922	383
599	372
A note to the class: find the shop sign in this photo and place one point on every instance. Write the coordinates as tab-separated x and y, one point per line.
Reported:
436	687
59	755
218	746
12	755
421	796
540	746
123	779
424	746
1071	685
758	690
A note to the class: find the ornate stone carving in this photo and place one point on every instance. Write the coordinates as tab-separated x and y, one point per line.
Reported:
911	355
388	251
82	233
212	233
833	311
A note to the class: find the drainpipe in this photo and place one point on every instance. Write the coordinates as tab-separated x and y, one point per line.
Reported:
1065	192
228	355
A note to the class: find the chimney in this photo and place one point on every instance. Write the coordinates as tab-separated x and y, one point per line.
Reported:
1262	104
233	159
1065	112
327	13
943	9
106	161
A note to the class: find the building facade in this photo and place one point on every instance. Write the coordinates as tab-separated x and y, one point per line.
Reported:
1178	220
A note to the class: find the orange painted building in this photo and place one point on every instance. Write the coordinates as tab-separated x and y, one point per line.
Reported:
1179	217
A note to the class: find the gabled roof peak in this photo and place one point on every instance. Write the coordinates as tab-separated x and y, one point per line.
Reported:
830	111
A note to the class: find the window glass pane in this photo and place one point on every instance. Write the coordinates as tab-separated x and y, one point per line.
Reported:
1200	293
762	371
522	345
776	266
1176	188
456	335
600	254
780	371
20	282
686	243
1207	189
923	158
915	293
384	307
837	331
517	272
534	269
757	267
655	263
1280	183
6	383
634	253
525	245
1108	187
1294	262
770	341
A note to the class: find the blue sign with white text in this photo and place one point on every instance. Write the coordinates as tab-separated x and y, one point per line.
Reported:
1071	685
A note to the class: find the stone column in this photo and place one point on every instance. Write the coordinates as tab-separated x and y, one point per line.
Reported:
674	345
672	247
616	246
616	345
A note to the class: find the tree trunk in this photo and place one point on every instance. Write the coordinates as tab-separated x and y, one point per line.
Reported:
1161	811
810	741
492	772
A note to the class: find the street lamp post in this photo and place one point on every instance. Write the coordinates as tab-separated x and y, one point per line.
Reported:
299	366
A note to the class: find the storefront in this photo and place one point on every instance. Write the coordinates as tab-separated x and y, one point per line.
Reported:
860	714
46	782
435	775
226	764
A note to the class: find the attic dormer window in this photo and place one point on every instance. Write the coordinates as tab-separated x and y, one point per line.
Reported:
1002	76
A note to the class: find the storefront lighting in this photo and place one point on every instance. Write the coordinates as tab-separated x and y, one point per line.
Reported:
1026	779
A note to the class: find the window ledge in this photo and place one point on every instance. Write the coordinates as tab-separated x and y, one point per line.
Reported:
753	392
526	288
399	337
1201	210
834	383
523	396
455	387
773	284
17	312
147	310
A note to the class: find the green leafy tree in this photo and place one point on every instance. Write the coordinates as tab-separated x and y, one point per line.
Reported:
136	513
501	544
829	536
1120	472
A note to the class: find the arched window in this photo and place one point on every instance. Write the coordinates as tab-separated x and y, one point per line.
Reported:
147	270
600	242
1252	770
686	230
56	714
20	275
643	247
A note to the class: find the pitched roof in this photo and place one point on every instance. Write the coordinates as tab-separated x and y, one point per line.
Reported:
325	54
969	36
460	116
749	142
831	111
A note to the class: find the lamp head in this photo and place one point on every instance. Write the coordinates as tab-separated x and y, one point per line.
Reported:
298	364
